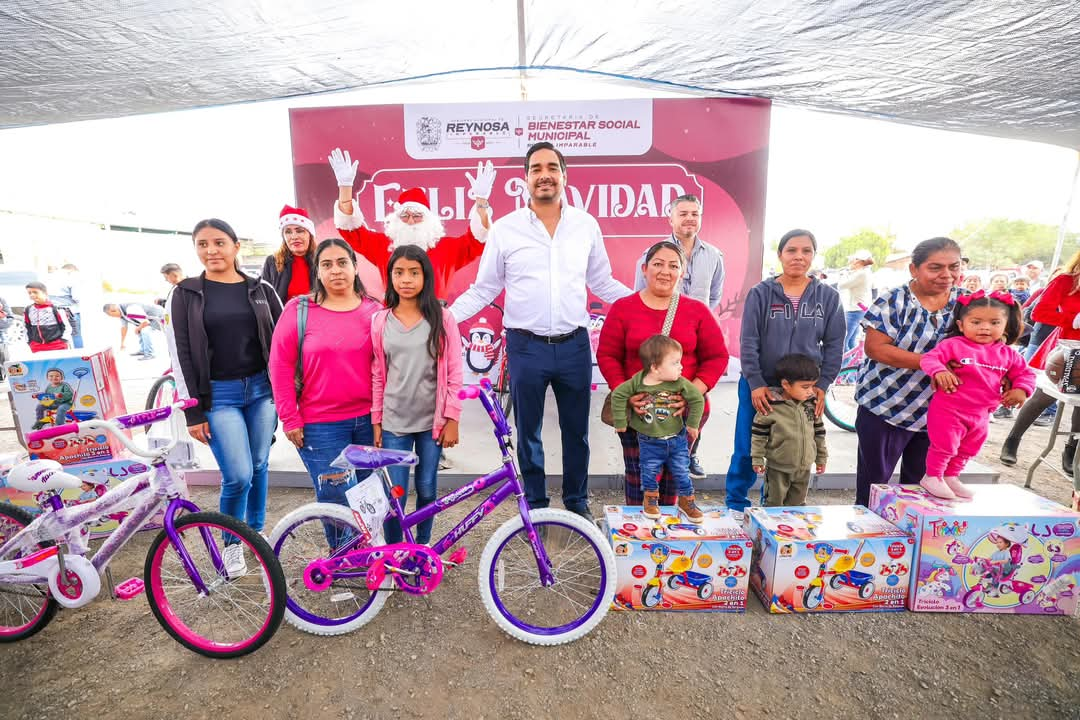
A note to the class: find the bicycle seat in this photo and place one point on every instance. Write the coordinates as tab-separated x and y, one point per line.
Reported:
38	475
365	457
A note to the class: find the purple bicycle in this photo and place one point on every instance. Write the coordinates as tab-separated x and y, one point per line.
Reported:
546	576
205	607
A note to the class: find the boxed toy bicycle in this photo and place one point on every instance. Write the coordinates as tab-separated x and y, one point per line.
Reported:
673	564
839	558
98	477
62	386
1005	550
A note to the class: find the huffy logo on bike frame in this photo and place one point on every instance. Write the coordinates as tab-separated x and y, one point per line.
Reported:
943	528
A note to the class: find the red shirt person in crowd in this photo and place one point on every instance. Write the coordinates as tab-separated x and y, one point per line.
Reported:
413	223
632	320
291	269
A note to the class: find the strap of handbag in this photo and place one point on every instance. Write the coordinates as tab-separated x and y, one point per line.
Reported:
669	319
301	330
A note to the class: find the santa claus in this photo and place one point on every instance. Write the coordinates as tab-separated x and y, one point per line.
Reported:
413	223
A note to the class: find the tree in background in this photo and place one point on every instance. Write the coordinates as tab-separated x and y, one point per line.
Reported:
878	244
1002	243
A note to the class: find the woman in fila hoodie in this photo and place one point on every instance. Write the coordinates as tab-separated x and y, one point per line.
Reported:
790	313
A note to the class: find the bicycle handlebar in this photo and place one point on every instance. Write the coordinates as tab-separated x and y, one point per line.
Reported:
146	417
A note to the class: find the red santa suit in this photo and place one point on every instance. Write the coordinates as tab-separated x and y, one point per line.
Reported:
448	255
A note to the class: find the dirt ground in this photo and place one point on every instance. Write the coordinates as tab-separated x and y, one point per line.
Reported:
443	657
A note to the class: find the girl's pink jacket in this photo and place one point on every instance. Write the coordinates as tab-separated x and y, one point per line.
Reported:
448	374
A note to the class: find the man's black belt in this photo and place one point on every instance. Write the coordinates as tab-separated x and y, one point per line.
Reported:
550	339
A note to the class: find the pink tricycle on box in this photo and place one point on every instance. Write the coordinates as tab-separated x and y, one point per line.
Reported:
1005	550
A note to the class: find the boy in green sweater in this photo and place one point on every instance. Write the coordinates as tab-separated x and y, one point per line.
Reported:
663	438
785	442
58	396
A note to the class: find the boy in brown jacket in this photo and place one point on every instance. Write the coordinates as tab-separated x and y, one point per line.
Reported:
785	442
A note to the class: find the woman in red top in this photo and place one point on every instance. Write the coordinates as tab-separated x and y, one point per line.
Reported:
1058	306
635	318
291	269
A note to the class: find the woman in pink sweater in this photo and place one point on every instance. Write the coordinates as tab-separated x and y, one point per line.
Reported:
959	417
333	407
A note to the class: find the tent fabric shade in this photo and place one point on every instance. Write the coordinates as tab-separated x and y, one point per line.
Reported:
997	67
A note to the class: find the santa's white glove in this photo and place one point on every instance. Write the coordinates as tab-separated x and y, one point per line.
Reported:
344	167
484	181
1076	322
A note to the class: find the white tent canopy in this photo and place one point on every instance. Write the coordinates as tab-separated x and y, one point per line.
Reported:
997	67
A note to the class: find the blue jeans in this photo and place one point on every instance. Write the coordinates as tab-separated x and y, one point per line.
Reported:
853	318
740	474
146	345
76	329
567	367
323	442
427	479
654	453
242	422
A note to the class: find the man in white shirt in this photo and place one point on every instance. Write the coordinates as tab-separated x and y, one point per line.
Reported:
545	255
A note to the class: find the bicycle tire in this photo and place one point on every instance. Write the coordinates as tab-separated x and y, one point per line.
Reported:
154	399
839	410
296	543
509	539
12	520
263	617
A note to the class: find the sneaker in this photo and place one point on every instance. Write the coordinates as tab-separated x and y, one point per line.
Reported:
739	516
1068	453
1003	413
583	512
959	489
445	463
937	487
1043	421
136	354
1008	451
651	505
696	471
145	357
690	509
233	557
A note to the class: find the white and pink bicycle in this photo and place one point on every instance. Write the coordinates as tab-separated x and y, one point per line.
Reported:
206	608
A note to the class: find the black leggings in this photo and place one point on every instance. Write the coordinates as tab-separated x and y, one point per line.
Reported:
1032	409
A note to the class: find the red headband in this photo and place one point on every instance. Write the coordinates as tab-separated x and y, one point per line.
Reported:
999	295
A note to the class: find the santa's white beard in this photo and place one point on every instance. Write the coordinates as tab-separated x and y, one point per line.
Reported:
424	234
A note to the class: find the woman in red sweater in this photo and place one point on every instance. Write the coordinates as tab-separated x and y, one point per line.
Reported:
635	318
1058	306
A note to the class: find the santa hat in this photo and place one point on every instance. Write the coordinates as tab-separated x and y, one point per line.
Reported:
296	216
482	325
413	199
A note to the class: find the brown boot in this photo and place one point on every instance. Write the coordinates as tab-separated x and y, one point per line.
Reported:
651	505
690	509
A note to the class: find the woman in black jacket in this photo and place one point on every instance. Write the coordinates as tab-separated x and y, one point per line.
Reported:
291	269
219	328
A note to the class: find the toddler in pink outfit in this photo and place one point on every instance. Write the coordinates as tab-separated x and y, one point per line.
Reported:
968	368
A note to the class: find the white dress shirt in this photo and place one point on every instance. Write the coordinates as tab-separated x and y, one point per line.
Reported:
545	276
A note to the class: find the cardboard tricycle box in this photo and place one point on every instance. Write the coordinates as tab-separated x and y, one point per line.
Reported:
1005	550
838	558
62	386
99	477
673	564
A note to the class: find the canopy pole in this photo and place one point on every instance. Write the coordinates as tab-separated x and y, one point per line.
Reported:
1065	220
521	49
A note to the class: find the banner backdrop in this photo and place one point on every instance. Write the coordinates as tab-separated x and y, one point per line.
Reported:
626	161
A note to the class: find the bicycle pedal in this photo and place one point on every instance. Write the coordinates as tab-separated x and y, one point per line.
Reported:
130	588
457	557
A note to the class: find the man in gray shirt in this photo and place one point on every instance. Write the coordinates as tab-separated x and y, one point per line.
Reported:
703	278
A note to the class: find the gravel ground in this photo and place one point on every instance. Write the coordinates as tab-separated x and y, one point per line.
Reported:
443	657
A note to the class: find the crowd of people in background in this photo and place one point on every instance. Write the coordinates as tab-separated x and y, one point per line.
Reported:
307	344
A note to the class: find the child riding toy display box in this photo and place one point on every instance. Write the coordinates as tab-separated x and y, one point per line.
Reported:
1006	550
672	564
835	558
64	386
